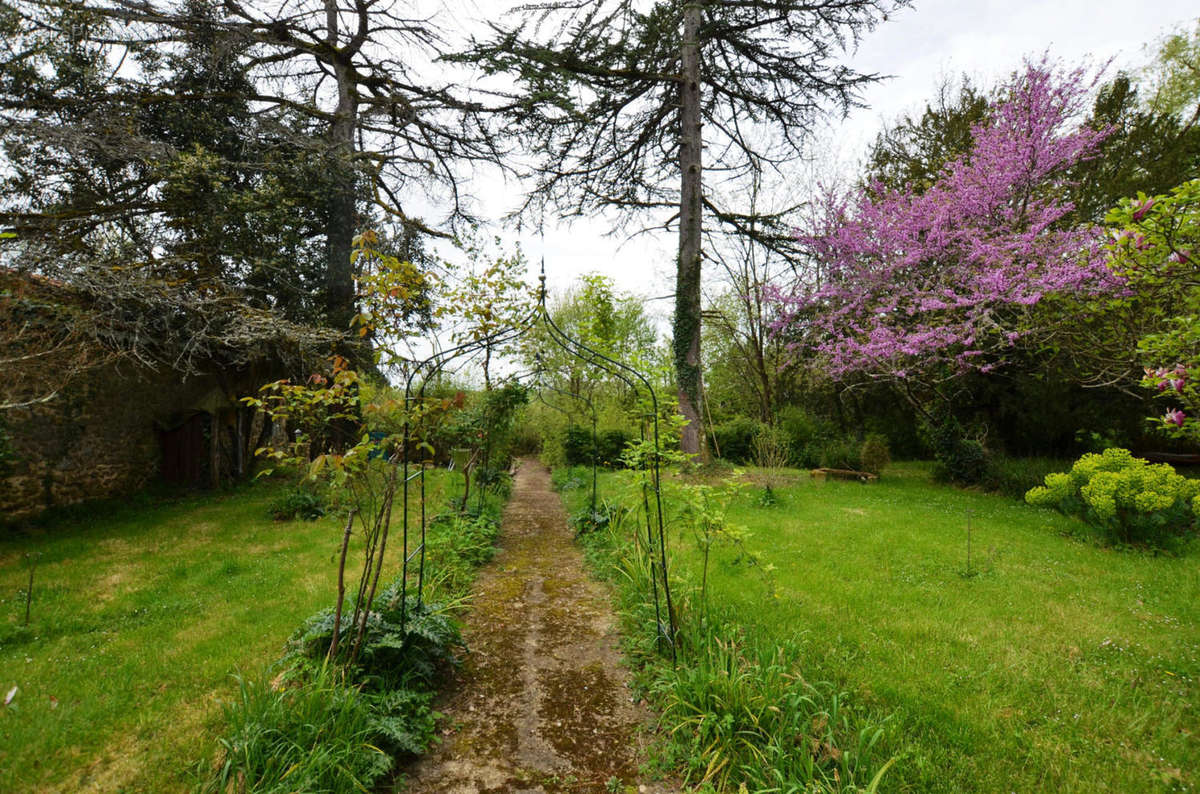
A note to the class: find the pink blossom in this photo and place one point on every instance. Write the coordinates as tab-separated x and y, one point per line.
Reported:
1177	383
1142	209
1175	417
944	277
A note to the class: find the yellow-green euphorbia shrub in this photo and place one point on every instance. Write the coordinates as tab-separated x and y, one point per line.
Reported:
1132	500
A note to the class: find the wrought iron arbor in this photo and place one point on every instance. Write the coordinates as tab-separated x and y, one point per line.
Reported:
413	481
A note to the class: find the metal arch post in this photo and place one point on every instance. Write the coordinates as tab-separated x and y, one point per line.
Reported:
421	566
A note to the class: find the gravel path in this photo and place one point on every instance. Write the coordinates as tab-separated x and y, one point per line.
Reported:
541	703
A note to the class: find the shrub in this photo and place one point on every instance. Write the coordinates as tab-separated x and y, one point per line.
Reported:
608	515
1014	476
553	441
468	541
841	453
495	479
526	441
965	463
874	455
806	434
960	460
391	656
569	479
610	445
578	446
1127	498
734	440
298	502
770	448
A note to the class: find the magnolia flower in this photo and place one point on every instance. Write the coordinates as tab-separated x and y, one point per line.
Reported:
1175	417
1180	371
1142	209
1177	383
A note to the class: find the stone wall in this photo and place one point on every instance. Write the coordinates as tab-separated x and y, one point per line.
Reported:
99	438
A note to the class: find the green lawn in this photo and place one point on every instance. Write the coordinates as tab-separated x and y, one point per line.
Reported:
1059	665
141	614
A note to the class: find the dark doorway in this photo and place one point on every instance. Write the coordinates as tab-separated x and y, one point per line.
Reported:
185	451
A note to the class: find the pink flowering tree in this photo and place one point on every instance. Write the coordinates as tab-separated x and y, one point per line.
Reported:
1155	248
920	287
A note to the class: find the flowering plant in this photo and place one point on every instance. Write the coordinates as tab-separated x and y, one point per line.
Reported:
1132	500
1153	247
942	280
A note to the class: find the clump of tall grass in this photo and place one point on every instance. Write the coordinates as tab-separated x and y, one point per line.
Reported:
317	735
738	711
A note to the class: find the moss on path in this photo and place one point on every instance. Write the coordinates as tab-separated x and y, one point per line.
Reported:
541	703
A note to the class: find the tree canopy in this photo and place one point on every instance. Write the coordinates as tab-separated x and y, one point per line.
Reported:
246	144
919	286
620	101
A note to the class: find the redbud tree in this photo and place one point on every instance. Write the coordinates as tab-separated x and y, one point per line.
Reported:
923	286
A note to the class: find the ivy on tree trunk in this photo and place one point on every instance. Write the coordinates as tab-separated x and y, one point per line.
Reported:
687	277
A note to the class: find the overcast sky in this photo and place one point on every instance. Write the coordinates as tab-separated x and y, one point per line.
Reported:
918	46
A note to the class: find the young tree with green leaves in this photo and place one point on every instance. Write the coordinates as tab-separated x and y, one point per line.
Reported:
1175	75
611	322
489	297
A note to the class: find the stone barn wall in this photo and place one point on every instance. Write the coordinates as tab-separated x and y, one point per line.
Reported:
99	438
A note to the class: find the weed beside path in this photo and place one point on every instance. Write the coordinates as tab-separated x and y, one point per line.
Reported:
541	703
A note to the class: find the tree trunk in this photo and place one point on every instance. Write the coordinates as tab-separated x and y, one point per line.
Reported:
339	278
686	328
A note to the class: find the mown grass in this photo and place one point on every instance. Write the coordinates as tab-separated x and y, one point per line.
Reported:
1056	664
141	613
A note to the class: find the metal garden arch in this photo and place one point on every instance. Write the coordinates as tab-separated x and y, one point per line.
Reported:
413	482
